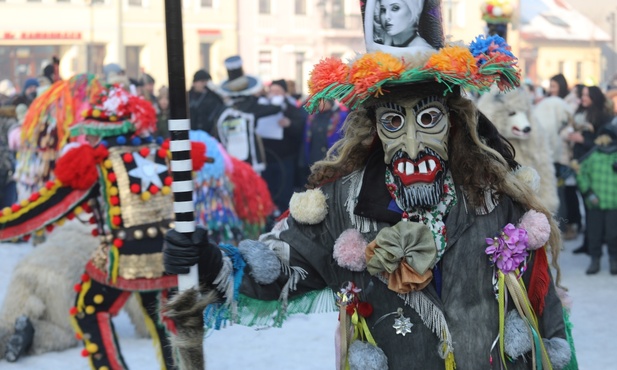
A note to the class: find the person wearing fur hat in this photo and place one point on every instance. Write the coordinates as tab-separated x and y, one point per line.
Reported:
419	226
121	176
28	93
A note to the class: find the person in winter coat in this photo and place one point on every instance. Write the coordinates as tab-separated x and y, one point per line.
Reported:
205	104
597	181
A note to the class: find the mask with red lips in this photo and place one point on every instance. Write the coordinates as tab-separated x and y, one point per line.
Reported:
414	134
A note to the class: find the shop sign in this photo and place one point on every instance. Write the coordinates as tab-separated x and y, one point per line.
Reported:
42	35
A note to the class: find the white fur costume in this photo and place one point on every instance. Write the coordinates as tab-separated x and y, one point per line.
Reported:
42	288
511	114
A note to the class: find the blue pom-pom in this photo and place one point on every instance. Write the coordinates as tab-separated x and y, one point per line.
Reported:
159	140
136	141
121	140
482	45
104	143
148	139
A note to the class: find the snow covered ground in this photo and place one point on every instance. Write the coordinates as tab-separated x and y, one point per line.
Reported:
306	342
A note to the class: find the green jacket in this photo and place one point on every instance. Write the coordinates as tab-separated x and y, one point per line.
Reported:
597	177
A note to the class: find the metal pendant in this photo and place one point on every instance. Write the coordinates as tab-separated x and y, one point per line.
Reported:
402	324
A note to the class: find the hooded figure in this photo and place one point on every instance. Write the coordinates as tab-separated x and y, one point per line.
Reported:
419	227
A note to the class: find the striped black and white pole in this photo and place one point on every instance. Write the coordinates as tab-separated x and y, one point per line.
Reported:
179	125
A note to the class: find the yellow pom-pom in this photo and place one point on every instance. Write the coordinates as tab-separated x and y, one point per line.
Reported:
115	211
146	195
7	211
40	232
92	348
44	192
61	221
166	190
113	118
24	202
98	299
107	164
96	113
78	210
90	310
113	191
103	368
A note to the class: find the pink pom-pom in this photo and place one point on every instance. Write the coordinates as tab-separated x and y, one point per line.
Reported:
349	250
538	228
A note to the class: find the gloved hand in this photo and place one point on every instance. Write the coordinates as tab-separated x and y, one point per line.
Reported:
182	251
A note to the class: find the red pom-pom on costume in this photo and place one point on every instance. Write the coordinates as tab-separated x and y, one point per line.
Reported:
78	336
49	228
70	216
162	153
34	197
111	177
85	277
15	208
135	188
77	168
165	144
73	312
153	189
77	287
95	232
50	184
168	181
365	309
86	207
144	152
85	353
116	221
118	243
114	200
100	153
251	195
127	157
198	155
26	237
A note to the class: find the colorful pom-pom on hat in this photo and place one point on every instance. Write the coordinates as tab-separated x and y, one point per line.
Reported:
413	53
116	112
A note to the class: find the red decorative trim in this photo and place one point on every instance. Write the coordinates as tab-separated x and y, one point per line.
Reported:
539	281
103	320
141	284
46	217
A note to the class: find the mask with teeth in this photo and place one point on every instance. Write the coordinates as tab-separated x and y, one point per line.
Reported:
414	134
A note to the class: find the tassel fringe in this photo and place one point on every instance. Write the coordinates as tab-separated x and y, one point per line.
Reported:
363	224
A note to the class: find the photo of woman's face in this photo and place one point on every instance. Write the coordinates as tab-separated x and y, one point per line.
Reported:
394	16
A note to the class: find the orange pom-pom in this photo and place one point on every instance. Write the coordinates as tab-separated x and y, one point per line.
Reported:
373	68
453	60
327	72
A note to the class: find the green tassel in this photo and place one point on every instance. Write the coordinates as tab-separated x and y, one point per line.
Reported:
253	312
573	365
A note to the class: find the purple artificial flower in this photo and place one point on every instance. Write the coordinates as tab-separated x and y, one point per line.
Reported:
509	249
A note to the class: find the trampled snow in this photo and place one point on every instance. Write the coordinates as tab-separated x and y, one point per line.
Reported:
306	342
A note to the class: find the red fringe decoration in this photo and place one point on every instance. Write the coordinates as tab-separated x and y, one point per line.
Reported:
539	282
198	155
77	168
252	198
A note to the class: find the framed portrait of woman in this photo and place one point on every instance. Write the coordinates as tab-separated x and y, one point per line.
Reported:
393	26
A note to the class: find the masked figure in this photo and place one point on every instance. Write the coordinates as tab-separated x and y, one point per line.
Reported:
419	226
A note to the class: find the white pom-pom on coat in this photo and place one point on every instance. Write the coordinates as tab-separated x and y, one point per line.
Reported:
308	207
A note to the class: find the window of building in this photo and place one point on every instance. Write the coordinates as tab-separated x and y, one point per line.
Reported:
556	20
97	1
300	7
34	1
338	14
63	1
265	65
96	58
579	70
299	71
132	61
265	6
204	55
561	66
207	3
136	2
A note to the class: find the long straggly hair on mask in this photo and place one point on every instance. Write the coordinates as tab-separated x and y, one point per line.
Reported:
481	159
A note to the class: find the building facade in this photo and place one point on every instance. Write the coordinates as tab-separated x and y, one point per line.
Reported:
87	34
